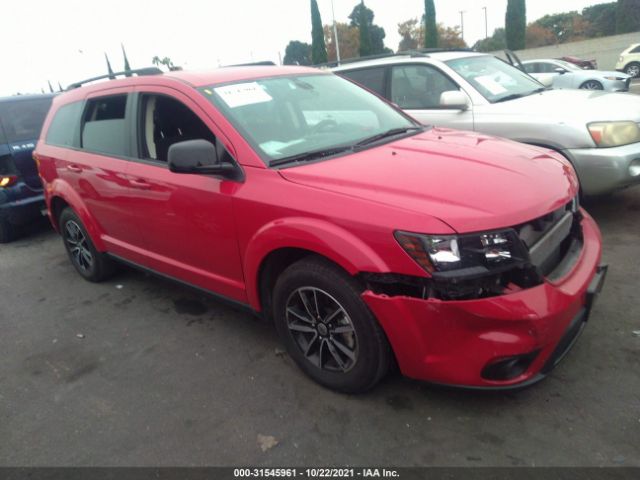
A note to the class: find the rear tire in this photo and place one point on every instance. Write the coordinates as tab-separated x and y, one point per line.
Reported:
327	328
7	232
633	69
91	264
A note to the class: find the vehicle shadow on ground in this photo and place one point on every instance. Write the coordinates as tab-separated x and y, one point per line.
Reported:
198	310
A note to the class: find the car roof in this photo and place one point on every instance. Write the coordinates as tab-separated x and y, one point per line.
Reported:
22	98
409	58
193	79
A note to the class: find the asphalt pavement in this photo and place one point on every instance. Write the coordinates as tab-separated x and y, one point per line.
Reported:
140	371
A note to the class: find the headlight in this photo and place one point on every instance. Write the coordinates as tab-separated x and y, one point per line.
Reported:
614	134
464	255
615	78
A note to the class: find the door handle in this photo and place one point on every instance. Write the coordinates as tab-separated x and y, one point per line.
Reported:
74	168
139	183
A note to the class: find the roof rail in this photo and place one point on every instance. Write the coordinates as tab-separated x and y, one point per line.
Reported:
417	52
111	76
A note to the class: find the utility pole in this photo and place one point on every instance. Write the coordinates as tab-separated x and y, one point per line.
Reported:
335	33
486	23
462	12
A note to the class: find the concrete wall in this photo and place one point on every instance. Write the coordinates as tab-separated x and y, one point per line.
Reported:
606	50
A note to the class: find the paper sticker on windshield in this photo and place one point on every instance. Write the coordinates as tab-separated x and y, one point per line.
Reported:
242	94
490	84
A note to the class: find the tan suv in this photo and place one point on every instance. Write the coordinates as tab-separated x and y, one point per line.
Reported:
629	61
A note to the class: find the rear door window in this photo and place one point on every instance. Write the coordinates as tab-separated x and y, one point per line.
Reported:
372	78
22	119
103	127
63	129
419	86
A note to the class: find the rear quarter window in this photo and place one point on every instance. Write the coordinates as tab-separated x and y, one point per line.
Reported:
104	128
62	131
372	78
22	119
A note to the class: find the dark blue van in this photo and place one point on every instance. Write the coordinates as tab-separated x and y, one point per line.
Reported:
21	196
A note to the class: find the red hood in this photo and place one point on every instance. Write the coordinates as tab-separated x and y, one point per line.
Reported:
472	182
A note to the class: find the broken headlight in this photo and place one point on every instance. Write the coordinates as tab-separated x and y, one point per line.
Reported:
465	256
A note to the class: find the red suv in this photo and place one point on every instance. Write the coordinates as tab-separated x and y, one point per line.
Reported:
368	238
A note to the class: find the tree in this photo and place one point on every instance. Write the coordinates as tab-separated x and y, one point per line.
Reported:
497	41
166	61
318	48
349	41
601	19
371	34
628	16
297	53
450	37
365	33
565	27
431	29
516	24
538	36
410	33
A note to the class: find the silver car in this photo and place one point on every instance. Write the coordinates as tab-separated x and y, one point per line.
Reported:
598	132
561	74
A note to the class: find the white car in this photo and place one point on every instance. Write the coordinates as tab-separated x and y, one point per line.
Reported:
598	132
629	61
561	74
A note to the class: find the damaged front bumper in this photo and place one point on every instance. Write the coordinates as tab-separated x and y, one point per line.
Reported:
505	341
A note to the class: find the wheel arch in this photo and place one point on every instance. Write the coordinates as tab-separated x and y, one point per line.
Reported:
283	242
60	196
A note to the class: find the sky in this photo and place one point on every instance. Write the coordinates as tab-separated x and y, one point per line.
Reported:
65	40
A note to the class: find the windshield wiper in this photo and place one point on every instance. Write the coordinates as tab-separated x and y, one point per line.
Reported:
388	133
312	155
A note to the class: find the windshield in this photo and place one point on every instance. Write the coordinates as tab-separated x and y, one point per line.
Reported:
494	79
289	116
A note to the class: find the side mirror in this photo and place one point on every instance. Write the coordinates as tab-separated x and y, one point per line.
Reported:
560	70
455	100
197	156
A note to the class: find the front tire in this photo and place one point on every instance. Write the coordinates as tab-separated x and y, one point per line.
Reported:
633	69
592	85
91	264
327	328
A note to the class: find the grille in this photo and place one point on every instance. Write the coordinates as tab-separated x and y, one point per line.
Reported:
551	238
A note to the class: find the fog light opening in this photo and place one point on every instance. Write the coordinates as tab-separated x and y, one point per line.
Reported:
634	167
507	368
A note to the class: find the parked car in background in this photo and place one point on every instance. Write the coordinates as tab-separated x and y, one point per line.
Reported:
584	64
21	196
598	132
629	61
364	235
567	75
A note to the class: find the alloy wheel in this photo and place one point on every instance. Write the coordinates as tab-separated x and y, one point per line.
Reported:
78	247
592	85
633	70
322	329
